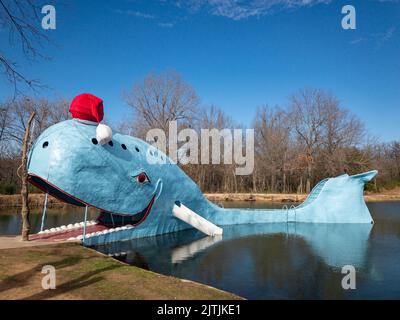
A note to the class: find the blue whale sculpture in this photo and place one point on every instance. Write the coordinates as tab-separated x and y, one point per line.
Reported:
136	197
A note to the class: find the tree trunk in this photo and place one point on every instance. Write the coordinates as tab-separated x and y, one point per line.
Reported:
254	177
309	172
284	182
26	227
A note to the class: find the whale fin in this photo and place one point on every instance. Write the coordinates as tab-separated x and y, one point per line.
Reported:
366	176
337	200
185	214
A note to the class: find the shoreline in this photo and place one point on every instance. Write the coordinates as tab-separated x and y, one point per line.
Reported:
83	273
37	199
292	197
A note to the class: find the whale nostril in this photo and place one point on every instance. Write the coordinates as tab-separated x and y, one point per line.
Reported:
45	144
94	141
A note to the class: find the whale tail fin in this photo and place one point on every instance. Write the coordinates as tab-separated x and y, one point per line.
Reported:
366	176
337	200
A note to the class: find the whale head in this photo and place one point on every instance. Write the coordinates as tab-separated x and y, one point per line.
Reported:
68	162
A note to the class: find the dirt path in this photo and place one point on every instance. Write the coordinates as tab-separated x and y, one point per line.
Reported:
83	273
15	242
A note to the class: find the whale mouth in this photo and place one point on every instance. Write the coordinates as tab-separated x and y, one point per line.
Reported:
106	219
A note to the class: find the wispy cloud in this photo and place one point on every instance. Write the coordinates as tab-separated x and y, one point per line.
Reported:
138	14
356	41
240	9
165	24
144	15
384	37
377	39
232	9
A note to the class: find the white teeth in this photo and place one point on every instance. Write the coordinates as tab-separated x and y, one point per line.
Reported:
71	239
105	232
82	223
46	231
53	230
80	237
70	226
40	232
76	225
63	227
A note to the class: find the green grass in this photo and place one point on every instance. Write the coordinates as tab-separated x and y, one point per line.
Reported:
86	274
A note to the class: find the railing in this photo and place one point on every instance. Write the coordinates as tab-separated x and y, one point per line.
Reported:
314	193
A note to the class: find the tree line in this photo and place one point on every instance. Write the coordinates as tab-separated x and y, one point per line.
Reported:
311	138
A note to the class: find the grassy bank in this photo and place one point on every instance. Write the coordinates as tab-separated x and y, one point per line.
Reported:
37	199
390	195
83	273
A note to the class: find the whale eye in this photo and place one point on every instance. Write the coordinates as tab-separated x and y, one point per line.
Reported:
123	146
45	144
142	178
110	143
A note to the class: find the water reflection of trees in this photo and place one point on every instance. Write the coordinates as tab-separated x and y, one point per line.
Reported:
274	266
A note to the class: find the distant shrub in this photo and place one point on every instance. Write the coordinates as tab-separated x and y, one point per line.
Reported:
371	187
389	185
8	188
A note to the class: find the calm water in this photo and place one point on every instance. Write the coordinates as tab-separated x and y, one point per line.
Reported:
268	261
10	219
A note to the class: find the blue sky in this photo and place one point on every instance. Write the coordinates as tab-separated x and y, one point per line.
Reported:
237	55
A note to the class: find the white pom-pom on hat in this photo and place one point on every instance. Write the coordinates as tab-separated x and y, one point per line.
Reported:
103	133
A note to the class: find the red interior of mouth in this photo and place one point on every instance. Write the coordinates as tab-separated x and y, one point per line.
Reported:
105	220
66	234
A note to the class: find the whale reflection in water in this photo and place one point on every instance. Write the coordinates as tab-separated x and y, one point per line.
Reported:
336	244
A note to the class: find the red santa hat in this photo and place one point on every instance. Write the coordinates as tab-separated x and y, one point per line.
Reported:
88	108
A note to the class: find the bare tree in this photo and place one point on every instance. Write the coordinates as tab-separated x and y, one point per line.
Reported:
308	115
26	226
342	131
215	177
272	138
21	19
5	120
14	115
47	113
159	99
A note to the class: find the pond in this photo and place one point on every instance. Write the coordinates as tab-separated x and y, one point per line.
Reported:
267	261
10	219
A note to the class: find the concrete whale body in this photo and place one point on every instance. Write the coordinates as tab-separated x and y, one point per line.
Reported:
139	184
